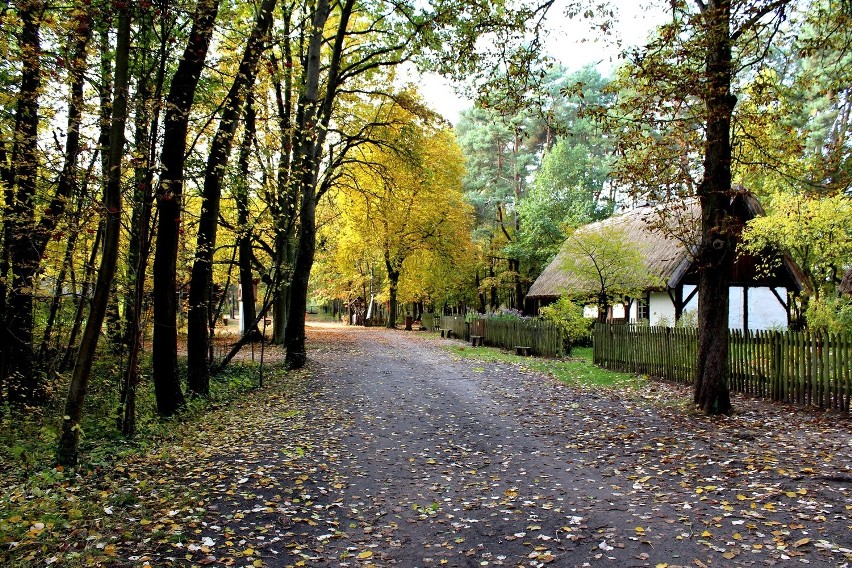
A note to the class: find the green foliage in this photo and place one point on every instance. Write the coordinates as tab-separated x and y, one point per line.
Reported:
506	314
688	319
568	315
832	315
534	172
605	265
570	187
815	230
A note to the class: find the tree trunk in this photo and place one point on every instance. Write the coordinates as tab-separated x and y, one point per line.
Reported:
493	301
200	305
296	356
393	283
244	239
515	267
23	384
717	252
287	198
69	439
146	132
169	195
306	163
83	300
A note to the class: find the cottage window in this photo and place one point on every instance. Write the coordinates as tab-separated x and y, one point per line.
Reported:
643	311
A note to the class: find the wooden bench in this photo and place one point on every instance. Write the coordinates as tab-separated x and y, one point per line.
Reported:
449	333
523	351
476	340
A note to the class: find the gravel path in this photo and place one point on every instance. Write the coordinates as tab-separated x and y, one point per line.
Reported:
395	454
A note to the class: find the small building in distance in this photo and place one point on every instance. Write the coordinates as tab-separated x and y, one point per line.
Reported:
667	243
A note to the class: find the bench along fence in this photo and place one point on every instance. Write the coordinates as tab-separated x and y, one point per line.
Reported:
542	337
801	367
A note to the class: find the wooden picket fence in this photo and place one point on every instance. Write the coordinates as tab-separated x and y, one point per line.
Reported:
805	368
542	337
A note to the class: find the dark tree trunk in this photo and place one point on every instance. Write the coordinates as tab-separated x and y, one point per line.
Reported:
83	300
146	132
68	176
244	238
480	294
169	195
603	308
393	283
515	267
296	356
23	384
201	284
306	163
718	243
287	198
69	439
493	301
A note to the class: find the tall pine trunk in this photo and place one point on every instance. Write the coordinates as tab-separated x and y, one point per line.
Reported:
718	242
69	439
201	284
169	196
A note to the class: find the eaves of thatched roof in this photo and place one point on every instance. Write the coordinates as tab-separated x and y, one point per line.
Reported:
666	239
662	241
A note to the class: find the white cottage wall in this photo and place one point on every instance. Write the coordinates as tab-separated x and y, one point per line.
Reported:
764	309
660	308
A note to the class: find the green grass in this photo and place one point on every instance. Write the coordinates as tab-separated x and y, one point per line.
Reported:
575	370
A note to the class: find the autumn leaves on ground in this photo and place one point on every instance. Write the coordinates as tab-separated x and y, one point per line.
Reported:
391	450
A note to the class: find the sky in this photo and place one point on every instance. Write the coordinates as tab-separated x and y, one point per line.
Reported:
565	43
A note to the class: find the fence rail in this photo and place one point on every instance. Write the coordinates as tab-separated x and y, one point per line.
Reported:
802	367
542	337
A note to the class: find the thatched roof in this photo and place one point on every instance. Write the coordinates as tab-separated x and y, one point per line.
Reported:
666	243
846	284
662	241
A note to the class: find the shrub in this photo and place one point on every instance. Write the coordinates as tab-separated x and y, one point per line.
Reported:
833	315
568	315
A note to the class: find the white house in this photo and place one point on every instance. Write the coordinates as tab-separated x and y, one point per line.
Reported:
757	300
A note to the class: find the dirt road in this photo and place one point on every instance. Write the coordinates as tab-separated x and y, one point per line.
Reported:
395	454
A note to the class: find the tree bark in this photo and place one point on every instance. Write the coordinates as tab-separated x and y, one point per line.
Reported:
83	300
244	239
69	439
68	176
287	198
169	195
306	164
198	337
393	284
718	242
146	132
22	383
